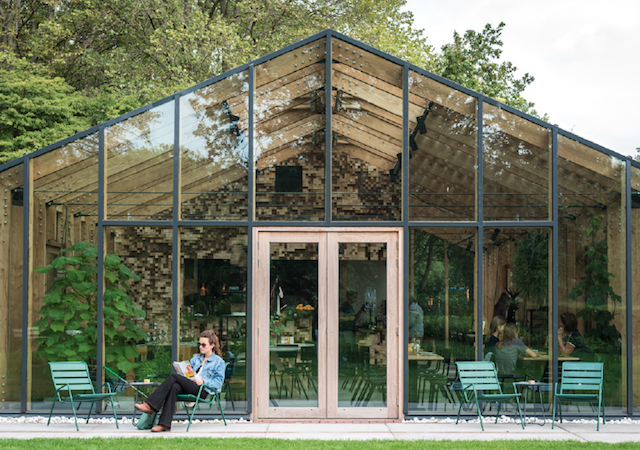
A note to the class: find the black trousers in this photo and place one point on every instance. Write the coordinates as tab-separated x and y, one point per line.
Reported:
164	398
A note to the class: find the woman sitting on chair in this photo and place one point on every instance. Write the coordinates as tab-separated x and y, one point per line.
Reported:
508	349
209	368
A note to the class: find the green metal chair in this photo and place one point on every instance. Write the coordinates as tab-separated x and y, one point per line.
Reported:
209	400
73	376
580	382
480	377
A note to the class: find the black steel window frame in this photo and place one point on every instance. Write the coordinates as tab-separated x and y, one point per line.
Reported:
479	224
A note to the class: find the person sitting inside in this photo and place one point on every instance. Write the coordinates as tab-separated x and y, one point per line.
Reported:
509	348
496	328
209	368
569	338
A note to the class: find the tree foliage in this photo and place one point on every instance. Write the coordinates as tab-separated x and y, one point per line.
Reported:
86	61
596	290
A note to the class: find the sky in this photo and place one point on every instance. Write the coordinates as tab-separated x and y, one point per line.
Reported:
584	55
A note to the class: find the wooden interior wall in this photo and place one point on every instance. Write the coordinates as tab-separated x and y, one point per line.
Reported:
11	270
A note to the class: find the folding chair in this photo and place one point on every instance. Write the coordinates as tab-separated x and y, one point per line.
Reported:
209	400
580	382
71	376
479	377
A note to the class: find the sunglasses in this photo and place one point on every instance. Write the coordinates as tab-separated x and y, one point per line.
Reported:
202	344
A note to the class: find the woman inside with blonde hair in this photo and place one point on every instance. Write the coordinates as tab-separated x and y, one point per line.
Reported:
209	368
509	348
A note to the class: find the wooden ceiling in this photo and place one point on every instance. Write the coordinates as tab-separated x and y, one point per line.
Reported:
367	121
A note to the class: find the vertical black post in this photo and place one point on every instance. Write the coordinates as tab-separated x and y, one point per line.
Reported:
175	247
251	213
327	130
554	256
26	233
100	272
480	236
629	303
405	220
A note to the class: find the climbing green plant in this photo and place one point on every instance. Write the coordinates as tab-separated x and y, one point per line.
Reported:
596	290
530	265
69	315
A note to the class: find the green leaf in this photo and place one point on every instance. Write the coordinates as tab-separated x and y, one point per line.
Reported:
57	325
112	261
44	269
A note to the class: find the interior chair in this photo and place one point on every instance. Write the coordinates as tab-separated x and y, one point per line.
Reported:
480	384
73	383
580	382
196	400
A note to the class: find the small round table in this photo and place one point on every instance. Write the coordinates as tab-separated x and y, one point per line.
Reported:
136	385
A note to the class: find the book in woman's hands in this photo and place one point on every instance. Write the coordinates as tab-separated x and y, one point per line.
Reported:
184	368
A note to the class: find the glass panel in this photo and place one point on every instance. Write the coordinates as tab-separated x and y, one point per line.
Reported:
442	308
213	267
293	311
362	339
366	147
635	291
140	347
289	135
11	268
64	213
139	164
443	146
592	252
517	322
516	155
213	146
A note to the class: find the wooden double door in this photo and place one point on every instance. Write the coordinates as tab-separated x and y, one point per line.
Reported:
327	321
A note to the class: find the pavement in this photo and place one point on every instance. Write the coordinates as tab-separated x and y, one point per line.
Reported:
621	430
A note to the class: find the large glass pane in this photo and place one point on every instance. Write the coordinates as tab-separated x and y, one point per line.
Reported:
289	135
592	265
366	147
516	305
442	308
635	291
214	150
139	160
443	146
138	326
293	312
62	321
213	269
11	266
362	338
516	155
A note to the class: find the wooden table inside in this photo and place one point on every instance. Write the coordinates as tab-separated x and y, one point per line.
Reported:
418	357
547	357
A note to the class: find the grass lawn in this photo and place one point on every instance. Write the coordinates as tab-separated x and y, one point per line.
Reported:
260	444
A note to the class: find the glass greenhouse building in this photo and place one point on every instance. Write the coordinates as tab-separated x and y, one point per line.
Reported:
350	226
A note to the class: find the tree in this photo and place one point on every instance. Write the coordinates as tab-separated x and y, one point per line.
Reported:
35	109
472	60
112	56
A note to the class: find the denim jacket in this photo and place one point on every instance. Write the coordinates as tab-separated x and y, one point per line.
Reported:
212	372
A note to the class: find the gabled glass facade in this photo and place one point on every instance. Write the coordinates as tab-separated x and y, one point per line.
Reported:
501	215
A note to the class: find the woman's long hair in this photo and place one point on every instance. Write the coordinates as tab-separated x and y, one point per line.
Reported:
496	323
213	340
508	335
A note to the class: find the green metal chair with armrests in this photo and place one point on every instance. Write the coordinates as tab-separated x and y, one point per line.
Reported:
478	377
72	376
196	400
580	382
